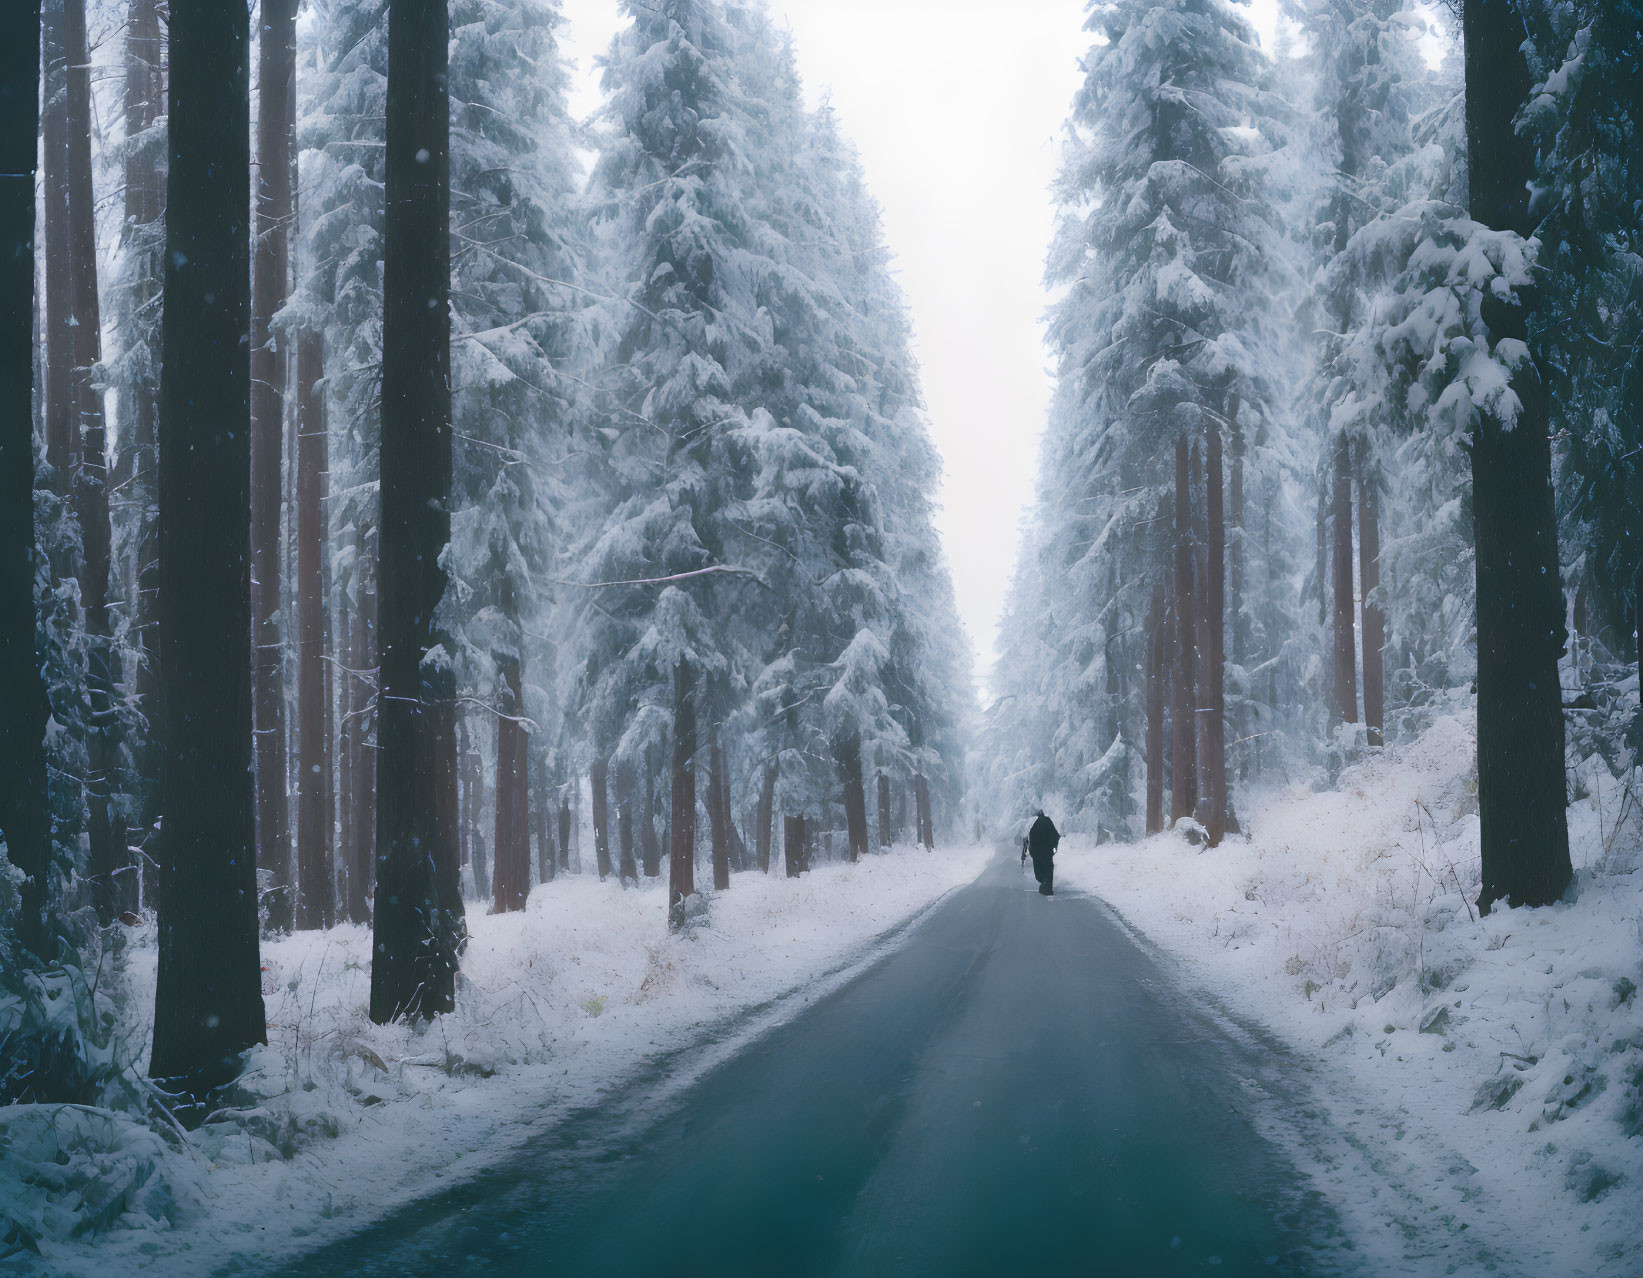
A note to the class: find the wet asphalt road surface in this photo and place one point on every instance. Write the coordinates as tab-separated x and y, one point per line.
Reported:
1018	1089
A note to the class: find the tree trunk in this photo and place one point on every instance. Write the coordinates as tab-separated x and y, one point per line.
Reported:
766	814
270	262
362	829
544	843
681	876
1369	581
110	867
1200	639
649	851
1214	630
717	817
314	886
1235	541
511	861
626	866
483	864
855	796
139	434
564	835
887	833
208	993
1155	712
926	819
418	921
1183	683
793	845
24	812
1521	788
599	777
1346	646
58	391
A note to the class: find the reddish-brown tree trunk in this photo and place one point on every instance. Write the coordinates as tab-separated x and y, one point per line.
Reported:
599	776
717	817
855	796
1346	646
1183	683
628	869
314	889
1155	712
681	881
1369	574
1214	630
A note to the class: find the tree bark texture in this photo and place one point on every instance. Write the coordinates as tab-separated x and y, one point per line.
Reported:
1346	645
564	834
363	681
887	832
626	867
58	392
270	263
649	851
717	817
208	995
315	882
539	810
793	846
681	877
417	919
1155	712
855	796
1214	731
24	812
1369	582
599	777
1183	681
511	877
762	821
1521	787
926	818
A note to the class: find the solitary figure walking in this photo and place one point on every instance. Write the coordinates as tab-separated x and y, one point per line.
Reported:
1041	841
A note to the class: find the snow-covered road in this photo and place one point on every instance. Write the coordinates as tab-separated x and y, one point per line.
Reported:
1019	1089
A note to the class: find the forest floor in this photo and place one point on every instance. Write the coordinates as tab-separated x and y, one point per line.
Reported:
1494	1066
343	1120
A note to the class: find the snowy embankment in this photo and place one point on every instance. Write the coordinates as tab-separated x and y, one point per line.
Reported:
344	1119
1492	1068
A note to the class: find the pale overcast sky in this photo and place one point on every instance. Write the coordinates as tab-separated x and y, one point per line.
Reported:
956	107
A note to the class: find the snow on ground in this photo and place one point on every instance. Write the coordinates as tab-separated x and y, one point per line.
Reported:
347	1119
1492	1069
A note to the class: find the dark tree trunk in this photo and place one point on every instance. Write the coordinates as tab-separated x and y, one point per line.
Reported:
482	865
855	796
139	435
681	873
793	836
1369	581
564	835
1235	540
1214	630
599	778
1322	567
649	851
926	818
418	918
314	883
626	866
276	82
1183	681
24	813
1346	644
511	877
544	842
766	814
887	832
1200	639
362	830
718	818
208	1001
56	236
1155	712
1521	788
110	867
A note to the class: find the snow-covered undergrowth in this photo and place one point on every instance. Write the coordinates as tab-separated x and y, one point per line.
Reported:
342	1119
1503	1054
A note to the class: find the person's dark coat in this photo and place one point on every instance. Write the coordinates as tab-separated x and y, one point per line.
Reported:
1043	838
